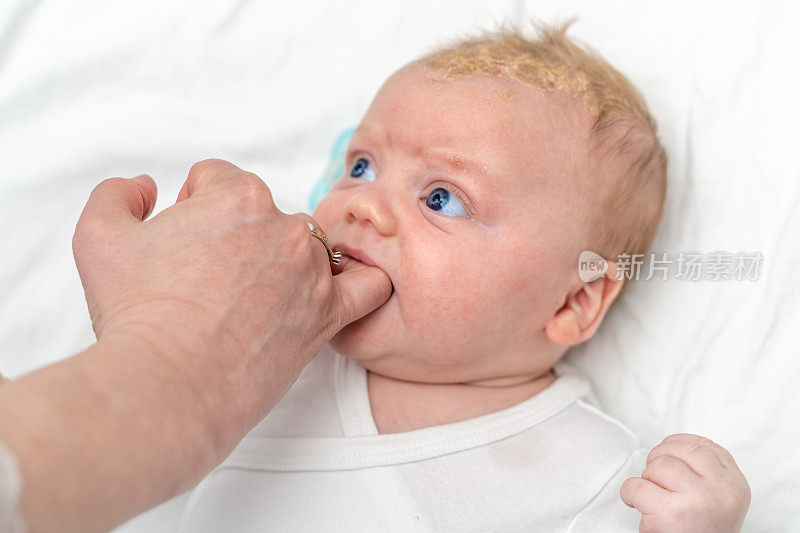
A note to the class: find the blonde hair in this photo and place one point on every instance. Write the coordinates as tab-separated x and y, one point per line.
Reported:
627	156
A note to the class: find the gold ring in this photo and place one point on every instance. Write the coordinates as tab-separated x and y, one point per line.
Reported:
334	257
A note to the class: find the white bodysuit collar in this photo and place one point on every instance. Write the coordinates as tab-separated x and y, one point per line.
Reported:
363	447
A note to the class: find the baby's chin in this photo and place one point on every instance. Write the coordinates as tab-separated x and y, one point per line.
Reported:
407	365
354	343
392	364
351	343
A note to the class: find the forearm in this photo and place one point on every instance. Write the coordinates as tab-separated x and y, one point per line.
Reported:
104	435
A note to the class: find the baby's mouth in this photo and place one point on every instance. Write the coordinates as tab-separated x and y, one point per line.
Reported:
349	263
346	263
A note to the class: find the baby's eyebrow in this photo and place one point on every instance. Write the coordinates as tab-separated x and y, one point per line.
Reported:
471	169
459	162
364	132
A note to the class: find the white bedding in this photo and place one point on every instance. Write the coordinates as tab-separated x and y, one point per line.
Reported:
92	89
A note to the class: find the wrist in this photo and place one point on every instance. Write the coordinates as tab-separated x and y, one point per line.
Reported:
184	383
132	422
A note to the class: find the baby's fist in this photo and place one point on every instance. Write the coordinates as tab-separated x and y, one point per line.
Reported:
691	484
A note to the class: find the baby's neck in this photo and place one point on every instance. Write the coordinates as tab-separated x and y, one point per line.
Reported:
405	405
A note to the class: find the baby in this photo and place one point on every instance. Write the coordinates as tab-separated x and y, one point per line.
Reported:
476	178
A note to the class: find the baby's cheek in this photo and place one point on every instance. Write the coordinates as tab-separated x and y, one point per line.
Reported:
321	213
462	303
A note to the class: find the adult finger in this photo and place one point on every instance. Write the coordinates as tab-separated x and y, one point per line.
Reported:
644	495
671	473
208	171
117	200
360	289
308	219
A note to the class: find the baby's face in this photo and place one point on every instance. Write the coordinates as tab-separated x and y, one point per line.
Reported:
468	193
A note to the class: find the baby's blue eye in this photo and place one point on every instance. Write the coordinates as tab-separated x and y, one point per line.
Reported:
362	168
441	200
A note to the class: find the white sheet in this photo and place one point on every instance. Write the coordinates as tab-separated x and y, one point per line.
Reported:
92	89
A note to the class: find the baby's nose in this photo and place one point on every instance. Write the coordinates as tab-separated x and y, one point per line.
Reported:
372	206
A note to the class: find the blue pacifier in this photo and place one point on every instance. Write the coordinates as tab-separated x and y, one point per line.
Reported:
334	169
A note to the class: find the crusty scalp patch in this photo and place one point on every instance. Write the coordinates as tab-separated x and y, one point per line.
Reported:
502	59
550	62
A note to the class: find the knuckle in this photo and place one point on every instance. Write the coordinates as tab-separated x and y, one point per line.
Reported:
652	455
629	485
686	437
87	231
666	464
106	185
296	241
205	166
251	194
110	182
655	473
629	490
692	448
703	441
301	236
252	180
300	225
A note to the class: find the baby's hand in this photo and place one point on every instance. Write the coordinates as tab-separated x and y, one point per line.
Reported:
689	484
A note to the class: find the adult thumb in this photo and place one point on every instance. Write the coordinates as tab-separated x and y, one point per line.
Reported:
360	289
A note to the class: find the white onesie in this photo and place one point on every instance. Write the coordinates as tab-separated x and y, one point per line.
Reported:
317	463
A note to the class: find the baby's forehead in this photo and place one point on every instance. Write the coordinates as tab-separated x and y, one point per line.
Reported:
493	117
500	101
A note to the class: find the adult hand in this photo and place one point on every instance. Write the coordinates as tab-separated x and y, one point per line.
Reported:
204	315
235	294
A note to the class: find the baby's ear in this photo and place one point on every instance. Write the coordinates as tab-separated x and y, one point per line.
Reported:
584	309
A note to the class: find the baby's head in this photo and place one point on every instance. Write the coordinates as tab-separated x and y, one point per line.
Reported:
476	178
